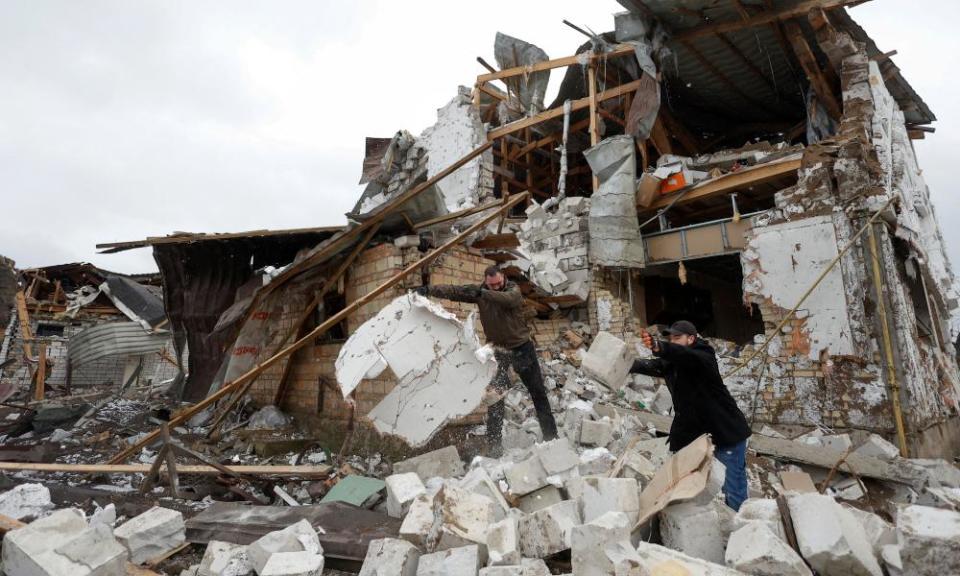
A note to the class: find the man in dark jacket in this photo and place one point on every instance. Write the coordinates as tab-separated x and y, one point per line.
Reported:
500	305
701	402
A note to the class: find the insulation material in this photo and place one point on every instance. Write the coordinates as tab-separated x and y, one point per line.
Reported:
531	88
779	264
614	229
441	370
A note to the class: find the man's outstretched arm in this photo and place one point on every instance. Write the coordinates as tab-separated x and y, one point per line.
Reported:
512	297
467	293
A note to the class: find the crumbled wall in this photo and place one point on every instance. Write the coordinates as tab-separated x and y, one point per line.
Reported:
556	246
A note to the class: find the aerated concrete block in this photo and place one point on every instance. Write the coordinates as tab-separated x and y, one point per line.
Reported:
757	550
542	498
879	532
420	525
301	563
503	542
299	537
662	402
694	529
463	561
465	518
152	534
548	531
760	510
390	557
661	560
591	542
608	360
831	539
224	559
26	501
443	463
526	476
402	489
596	433
599	495
557	456
929	540
479	481
878	447
63	545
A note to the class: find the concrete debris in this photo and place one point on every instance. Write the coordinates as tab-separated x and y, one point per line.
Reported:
595	433
929	540
878	447
420	526
941	472
597	496
662	560
879	532
542	498
465	518
614	228
390	557
478	481
295	548
152	534
755	549
528	567
526	476
555	246
503	542
696	530
224	559
434	357
442	463
464	561
831	538
548	531
402	489
597	547
26	501
763	511
293	564
608	360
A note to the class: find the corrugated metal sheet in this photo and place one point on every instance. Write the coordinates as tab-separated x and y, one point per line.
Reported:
113	339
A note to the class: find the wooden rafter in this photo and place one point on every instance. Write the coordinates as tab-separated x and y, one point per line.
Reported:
621	50
819	82
763	18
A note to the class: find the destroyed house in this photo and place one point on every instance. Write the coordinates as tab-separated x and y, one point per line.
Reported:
78	329
747	166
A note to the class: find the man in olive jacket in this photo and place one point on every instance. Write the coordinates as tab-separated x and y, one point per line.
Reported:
701	402
500	305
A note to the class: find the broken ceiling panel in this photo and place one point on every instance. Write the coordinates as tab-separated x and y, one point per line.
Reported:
441	371
530	88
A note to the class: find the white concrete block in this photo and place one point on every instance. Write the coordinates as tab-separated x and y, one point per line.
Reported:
590	543
106	516
661	560
755	549
694	529
26	501
890	554
662	401
526	476
929	540
596	432
299	537
838	442
600	495
878	447
548	531
557	456
608	360
463	561
542	498
479	481
718	473
62	544
151	534
831	539
879	532
301	563
503	542
761	510
420	525
402	489
445	463
528	567
390	557
224	559
465	518
942	473
406	241
596	462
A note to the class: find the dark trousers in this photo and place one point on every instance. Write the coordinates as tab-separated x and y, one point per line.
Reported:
525	363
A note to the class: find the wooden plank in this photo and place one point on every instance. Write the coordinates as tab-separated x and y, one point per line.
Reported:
171	459
456	215
495	241
818	81
594	126
7	524
40	389
797	482
23	317
555	137
558	111
230	387
303	471
733	181
621	50
763	18
186	238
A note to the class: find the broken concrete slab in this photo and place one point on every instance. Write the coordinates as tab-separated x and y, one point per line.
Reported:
529	567
503	542
298	537
420	526
939	471
62	544
479	481
402	490
557	456
26	501
224	559
465	518
152	534
440	376
598	495
301	563
761	510
877	446
661	560
595	432
542	498
548	531
831	539
662	402
614	228
608	360
929	540
595	462
695	529
443	463
755	549
390	557
464	561
879	532
526	476
590	543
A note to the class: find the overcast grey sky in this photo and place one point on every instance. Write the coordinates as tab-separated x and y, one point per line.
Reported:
121	120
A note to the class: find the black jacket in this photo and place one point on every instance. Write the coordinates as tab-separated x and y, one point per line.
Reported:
501	311
701	401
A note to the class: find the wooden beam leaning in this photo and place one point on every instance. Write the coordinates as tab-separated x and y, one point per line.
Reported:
818	80
621	50
764	18
23	317
322	328
558	111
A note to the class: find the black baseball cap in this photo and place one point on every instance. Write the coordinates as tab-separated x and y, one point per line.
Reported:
680	327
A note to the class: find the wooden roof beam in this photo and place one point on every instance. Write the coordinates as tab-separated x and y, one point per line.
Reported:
621	50
819	82
800	9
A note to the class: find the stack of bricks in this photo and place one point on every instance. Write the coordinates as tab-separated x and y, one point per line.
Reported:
548	332
610	309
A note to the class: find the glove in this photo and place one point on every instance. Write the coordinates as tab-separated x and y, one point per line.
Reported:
423	290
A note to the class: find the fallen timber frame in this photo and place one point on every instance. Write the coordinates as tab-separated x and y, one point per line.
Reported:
326	325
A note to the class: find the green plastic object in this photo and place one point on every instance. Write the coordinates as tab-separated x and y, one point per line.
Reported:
356	490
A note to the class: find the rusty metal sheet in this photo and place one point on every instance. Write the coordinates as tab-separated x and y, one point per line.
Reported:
349	529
